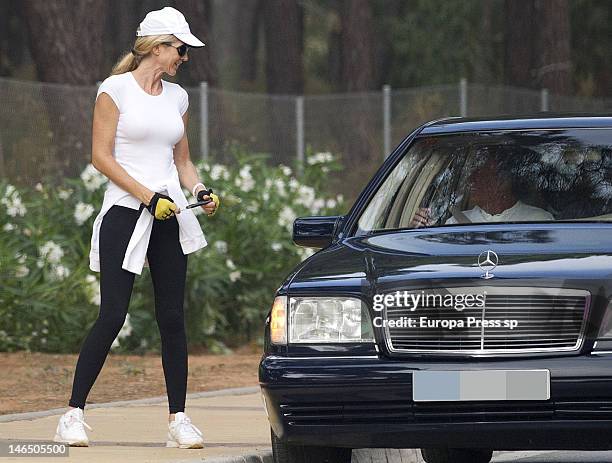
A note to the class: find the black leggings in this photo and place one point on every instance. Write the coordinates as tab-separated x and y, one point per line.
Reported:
168	267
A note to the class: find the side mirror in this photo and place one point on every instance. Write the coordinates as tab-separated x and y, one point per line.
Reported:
316	232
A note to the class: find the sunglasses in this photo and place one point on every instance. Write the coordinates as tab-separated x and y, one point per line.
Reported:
182	49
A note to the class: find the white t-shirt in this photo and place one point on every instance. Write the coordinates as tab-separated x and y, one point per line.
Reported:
520	212
148	128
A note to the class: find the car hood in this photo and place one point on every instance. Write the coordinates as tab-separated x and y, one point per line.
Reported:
556	251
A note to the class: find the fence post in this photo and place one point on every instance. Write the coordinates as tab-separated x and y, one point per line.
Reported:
463	97
386	120
204	121
544	99
299	137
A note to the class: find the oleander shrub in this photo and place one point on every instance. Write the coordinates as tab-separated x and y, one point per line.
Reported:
49	298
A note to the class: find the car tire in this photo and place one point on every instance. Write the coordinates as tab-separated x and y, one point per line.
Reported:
456	455
284	452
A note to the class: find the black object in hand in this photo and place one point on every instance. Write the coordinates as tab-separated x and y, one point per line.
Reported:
200	198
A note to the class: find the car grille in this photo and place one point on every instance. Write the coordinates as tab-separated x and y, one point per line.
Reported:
548	319
405	411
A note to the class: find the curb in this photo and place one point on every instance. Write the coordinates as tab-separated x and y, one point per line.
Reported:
123	403
260	457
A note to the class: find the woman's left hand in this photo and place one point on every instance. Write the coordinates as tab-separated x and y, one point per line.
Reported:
211	207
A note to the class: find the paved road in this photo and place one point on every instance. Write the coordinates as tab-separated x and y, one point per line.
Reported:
554	457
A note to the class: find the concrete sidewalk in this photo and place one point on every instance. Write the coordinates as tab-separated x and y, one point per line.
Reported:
233	422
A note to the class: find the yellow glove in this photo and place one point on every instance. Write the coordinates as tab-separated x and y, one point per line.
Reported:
161	206
216	200
213	197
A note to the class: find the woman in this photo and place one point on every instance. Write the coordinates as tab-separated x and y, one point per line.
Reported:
139	142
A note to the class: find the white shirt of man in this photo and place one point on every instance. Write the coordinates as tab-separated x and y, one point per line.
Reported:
520	212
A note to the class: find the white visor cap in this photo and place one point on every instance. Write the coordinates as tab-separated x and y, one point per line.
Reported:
168	20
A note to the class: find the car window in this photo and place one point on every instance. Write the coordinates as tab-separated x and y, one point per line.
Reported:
508	177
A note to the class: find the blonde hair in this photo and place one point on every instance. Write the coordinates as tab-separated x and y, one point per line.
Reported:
142	48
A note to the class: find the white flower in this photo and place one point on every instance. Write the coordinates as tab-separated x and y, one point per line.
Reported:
10	189
245	180
82	212
294	184
221	246
126	329
230	264
268	183
12	201
21	258
219	171
60	271
276	246
317	205
93	289
306	195
51	252
64	194
245	171
286	217
285	170
340	198
265	196
39	187
331	203
320	158
234	276
280	187
92	178
21	271
9	227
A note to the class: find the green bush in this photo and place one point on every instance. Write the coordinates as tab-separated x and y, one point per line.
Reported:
49	297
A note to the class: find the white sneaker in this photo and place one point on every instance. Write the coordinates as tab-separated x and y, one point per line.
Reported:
70	429
183	434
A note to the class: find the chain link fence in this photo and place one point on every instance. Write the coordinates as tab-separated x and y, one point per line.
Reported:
45	129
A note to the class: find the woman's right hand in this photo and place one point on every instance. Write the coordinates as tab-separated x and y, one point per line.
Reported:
162	207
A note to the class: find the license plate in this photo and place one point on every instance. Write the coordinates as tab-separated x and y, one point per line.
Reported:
429	386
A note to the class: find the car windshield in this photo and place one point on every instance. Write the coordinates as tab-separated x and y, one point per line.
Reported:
504	177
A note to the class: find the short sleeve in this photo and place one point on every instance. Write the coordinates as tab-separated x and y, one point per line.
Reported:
183	101
109	86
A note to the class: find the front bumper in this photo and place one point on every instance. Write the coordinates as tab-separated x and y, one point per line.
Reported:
366	402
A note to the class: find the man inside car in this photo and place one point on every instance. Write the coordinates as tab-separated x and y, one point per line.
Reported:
493	198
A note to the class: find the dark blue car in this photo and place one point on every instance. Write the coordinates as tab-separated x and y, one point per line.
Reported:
463	305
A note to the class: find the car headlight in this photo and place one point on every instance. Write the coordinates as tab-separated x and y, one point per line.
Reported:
329	320
604	338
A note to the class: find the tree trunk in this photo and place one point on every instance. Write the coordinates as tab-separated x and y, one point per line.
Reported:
235	37
537	44
283	25
283	30
201	65
65	40
361	147
485	63
553	61
519	42
357	45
